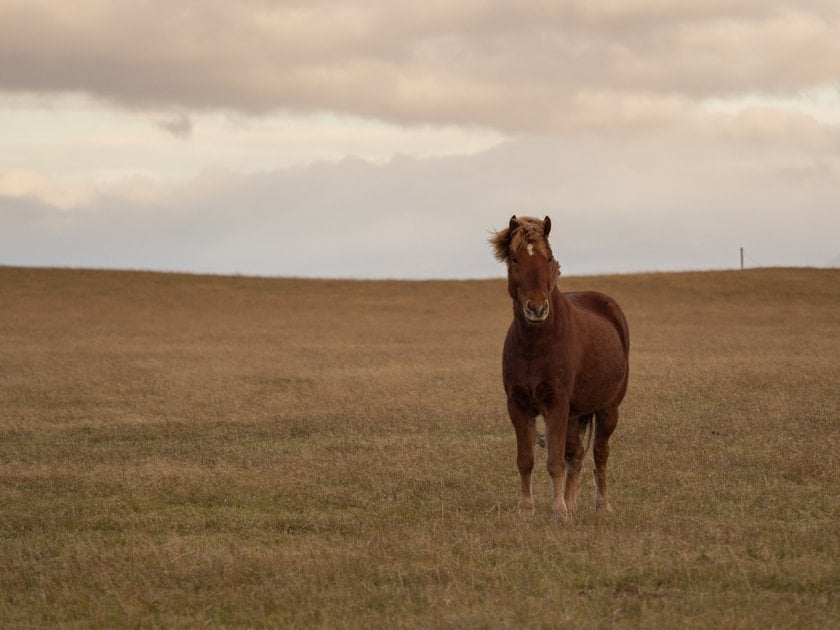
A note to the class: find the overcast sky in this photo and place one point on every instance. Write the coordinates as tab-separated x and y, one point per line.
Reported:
372	139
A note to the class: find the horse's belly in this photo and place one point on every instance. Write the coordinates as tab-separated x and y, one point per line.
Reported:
602	383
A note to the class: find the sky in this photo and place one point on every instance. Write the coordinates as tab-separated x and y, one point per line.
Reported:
380	139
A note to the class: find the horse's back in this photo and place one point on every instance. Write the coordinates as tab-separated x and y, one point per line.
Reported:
595	307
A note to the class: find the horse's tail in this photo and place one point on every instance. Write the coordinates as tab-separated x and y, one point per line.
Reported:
584	428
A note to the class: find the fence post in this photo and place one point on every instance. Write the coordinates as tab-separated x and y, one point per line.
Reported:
742	259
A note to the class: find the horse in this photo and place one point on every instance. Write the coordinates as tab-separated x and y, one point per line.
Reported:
565	358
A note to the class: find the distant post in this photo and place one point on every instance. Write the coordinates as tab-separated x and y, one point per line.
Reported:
742	259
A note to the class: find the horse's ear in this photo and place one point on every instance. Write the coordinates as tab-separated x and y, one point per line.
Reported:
514	223
546	226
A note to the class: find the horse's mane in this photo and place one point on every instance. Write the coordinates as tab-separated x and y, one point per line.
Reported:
527	230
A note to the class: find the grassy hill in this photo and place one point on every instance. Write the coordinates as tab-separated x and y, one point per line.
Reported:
190	450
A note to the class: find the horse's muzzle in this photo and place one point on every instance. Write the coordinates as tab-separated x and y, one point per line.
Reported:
536	314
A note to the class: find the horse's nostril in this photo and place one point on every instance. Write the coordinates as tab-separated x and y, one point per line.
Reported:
537	312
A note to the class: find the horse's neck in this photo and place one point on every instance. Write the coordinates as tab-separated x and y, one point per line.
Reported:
562	311
559	301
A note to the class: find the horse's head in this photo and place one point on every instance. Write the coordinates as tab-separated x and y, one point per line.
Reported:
532	270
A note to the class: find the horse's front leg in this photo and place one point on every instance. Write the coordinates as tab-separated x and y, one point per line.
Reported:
523	423
556	426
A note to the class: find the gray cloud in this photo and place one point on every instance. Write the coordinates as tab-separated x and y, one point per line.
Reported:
179	125
527	66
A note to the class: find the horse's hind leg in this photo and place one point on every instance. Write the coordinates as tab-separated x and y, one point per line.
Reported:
574	458
605	422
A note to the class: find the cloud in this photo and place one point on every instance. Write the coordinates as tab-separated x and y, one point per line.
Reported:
22	183
179	126
65	196
644	204
523	67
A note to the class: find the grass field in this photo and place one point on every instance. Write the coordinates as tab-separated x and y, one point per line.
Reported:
188	451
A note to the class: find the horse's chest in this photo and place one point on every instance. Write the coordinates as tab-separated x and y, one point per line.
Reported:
535	372
535	396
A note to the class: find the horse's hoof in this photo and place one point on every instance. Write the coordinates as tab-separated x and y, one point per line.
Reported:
603	507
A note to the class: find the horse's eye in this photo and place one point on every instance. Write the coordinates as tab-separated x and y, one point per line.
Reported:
514	260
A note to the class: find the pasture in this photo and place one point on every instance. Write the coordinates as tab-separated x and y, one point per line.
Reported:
182	450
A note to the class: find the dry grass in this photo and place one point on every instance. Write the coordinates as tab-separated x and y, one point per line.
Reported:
191	451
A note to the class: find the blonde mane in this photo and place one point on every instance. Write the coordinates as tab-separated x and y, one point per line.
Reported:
526	231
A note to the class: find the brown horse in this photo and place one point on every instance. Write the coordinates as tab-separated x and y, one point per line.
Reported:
565	358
